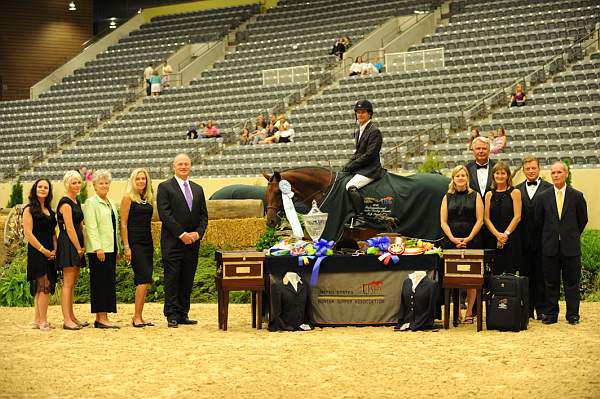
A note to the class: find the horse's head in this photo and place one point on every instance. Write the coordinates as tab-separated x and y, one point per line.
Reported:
274	201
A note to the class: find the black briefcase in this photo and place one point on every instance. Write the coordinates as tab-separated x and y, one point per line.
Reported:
508	304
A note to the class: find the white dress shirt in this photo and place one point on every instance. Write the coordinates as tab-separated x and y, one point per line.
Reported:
482	177
362	129
180	182
531	190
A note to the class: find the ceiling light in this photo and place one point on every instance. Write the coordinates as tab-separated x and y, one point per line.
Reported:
72	6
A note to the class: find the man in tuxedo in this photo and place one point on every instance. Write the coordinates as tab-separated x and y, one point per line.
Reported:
531	189
562	213
182	210
364	163
480	179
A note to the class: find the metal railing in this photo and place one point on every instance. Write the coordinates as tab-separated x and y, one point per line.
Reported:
344	68
397	156
417	60
286	75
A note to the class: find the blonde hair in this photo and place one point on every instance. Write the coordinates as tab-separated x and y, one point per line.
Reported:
70	175
452	186
132	191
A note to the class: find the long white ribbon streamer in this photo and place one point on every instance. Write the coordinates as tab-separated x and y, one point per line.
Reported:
290	211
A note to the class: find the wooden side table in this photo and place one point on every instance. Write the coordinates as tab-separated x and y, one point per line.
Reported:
463	268
239	271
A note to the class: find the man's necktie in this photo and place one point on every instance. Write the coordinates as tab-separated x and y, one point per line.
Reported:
481	166
559	203
188	194
532	183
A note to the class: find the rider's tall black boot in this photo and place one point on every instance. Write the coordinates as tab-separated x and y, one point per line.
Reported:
358	203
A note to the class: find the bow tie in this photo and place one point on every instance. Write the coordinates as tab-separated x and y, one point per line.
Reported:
532	183
481	166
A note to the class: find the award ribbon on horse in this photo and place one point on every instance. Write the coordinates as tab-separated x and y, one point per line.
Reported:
288	206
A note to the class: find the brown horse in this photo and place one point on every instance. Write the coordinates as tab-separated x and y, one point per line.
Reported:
308	184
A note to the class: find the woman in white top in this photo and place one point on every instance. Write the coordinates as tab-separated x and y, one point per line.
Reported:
357	67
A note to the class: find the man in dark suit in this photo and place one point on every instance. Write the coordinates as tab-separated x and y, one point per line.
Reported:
480	179
531	189
364	163
182	210
562	212
480	169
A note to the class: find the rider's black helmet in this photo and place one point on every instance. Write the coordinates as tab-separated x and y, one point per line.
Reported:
364	104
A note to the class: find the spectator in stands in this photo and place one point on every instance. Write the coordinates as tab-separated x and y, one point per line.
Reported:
137	206
461	216
155	83
286	135
282	135
70	249
272	127
39	224
472	136
192	133
369	69
379	64
273	119
245	136
518	97
103	241
167	70
340	46
357	67
499	142
259	134
281	120
211	131
147	74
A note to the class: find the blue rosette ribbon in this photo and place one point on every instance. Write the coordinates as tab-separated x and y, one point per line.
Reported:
377	245
323	248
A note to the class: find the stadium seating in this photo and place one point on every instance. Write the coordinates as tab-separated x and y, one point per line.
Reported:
102	86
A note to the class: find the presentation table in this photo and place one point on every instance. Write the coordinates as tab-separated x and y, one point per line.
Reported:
353	290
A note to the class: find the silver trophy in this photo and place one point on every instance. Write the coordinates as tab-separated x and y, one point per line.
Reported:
315	221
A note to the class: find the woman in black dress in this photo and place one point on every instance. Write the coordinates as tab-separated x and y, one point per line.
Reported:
461	216
136	217
71	246
502	217
39	223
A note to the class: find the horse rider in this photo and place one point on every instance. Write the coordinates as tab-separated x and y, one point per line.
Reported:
364	163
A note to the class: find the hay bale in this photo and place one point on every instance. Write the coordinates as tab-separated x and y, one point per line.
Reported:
234	208
227	233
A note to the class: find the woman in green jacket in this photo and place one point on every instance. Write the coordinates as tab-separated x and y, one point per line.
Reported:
103	242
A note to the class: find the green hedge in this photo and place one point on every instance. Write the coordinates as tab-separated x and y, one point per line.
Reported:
14	287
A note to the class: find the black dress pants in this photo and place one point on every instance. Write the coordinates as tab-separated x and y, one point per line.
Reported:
533	269
570	269
180	265
103	296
